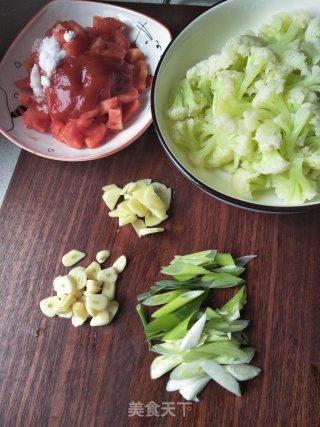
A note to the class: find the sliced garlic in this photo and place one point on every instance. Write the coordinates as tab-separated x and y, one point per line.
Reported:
91	311
64	285
101	319
77	321
80	276
65	304
109	290
102	256
107	275
48	306
94	286
92	270
66	315
97	302
112	308
79	310
120	264
72	257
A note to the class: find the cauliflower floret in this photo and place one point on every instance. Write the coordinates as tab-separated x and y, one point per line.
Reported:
245	182
284	28
296	188
268	136
188	102
270	163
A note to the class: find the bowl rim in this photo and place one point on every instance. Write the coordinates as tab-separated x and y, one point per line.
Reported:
84	158
238	203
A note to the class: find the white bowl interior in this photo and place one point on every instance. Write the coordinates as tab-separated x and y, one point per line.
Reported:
202	38
151	37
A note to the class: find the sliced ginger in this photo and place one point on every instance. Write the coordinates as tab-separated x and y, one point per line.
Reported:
144	204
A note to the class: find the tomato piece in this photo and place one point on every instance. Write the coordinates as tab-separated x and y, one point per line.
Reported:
107	25
149	80
71	135
36	119
130	110
96	134
56	127
28	63
91	33
76	46
115	119
25	100
130	95
23	84
120	40
108	104
134	54
113	57
98	43
121	79
51	30
140	73
86	119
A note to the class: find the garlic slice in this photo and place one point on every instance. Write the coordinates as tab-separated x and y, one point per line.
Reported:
72	257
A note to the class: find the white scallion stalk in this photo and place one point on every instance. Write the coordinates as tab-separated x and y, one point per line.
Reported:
186	370
243	372
219	374
174	385
193	335
163	364
191	390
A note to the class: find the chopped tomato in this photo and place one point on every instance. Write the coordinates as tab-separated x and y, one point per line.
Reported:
114	58
71	135
107	25
23	84
98	43
130	110
25	100
86	119
94	89
56	127
36	119
140	74
115	119
120	40
108	104
129	96
134	54
95	135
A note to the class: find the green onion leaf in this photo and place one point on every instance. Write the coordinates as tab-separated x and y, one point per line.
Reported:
176	303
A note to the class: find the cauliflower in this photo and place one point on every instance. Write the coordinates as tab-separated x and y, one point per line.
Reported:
283	29
187	103
296	188
253	109
270	163
268	136
246	182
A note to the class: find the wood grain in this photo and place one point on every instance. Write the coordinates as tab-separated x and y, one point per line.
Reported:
52	374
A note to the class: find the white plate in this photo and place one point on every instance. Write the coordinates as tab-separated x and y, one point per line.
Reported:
203	37
150	36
